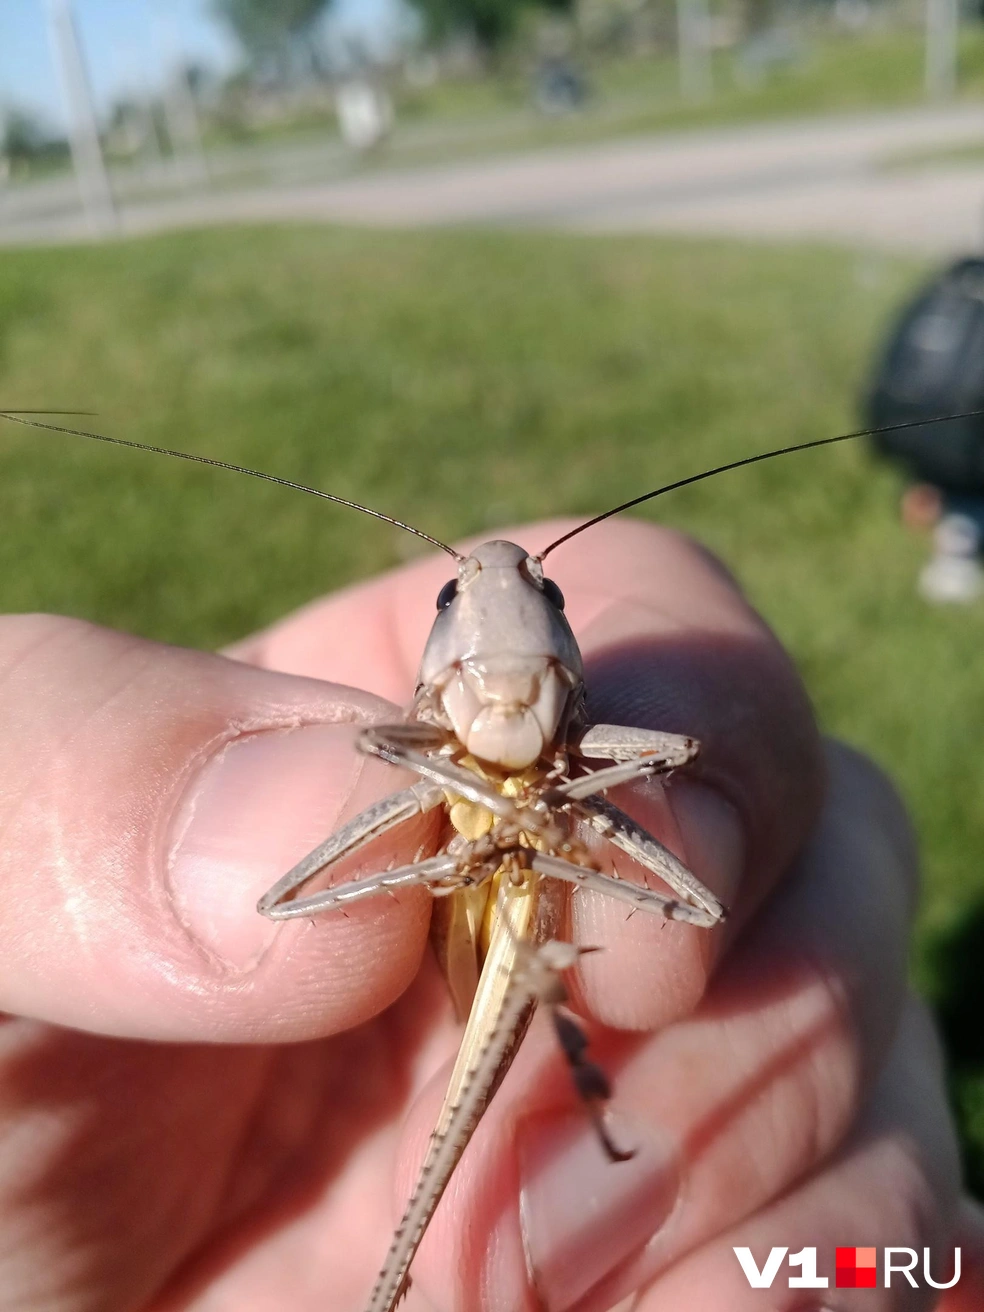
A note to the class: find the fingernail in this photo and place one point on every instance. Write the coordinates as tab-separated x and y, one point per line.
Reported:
583	1215
252	812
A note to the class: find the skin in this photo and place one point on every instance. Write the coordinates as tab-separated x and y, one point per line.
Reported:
166	1144
922	506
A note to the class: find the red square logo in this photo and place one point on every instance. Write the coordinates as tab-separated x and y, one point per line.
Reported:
857	1268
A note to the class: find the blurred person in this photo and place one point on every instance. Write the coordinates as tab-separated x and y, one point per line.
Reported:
559	87
932	364
954	572
365	113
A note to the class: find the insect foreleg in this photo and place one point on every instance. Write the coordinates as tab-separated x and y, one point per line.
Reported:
617	742
608	776
439	770
646	899
368	824
625	833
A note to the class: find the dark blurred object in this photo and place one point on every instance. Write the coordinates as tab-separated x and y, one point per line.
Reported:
281	41
956	959
559	87
26	142
933	364
489	24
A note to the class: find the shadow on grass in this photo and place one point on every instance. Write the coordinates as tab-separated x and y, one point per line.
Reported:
956	958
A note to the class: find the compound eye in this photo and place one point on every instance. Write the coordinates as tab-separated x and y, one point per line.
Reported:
447	594
553	594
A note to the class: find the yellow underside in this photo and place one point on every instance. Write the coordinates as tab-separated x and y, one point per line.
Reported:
482	928
474	821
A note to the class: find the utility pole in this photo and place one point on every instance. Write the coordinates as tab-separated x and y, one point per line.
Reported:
87	157
942	26
693	49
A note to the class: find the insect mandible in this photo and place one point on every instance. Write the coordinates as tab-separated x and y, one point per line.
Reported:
498	739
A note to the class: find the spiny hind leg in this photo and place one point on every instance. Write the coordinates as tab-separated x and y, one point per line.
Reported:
590	1080
545	969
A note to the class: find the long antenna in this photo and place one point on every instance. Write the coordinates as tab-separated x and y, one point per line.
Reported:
15	417
752	460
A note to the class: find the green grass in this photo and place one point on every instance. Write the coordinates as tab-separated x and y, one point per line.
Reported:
828	72
831	72
461	380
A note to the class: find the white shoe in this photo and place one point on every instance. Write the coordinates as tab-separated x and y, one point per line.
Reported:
957	535
955	574
953	579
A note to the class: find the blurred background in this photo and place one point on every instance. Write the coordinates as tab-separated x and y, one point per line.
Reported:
477	261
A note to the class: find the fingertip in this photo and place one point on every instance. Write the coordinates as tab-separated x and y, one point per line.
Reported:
257	805
653	971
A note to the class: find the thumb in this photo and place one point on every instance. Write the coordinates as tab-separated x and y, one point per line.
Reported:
148	796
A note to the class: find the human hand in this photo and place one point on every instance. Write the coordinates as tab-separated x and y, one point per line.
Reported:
172	1149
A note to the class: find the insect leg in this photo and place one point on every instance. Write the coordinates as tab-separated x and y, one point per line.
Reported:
370	823
607	777
546	965
636	895
589	1079
616	742
528	975
389	746
439	874
625	833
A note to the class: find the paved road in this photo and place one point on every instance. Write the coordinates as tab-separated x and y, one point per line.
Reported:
822	179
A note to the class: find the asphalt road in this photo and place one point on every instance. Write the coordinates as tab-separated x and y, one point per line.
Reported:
842	179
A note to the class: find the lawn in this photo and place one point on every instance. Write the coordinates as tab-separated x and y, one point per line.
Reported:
822	71
462	380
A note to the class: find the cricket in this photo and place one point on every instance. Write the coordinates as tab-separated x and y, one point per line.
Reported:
499	743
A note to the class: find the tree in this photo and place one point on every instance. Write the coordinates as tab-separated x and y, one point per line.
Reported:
22	138
273	32
25	141
490	22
